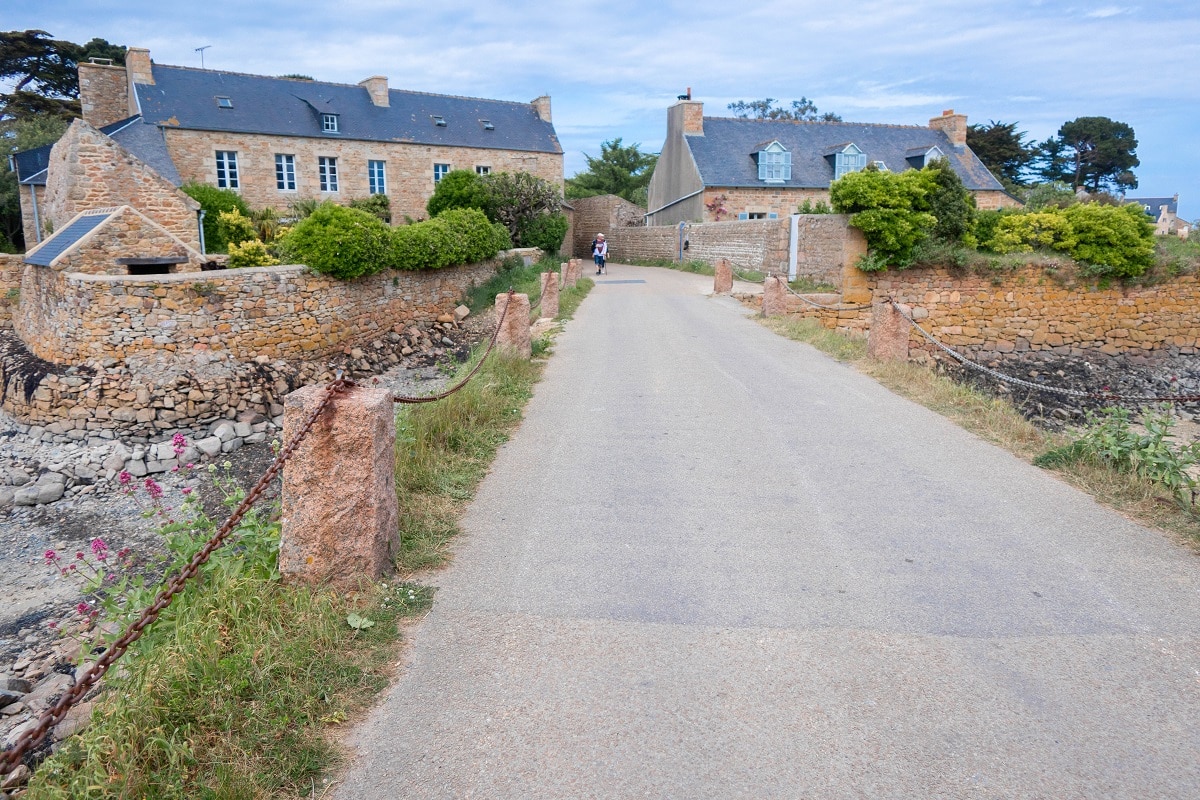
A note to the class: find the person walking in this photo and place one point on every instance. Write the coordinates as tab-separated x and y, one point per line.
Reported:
599	252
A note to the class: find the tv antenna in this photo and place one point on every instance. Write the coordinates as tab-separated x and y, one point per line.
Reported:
201	50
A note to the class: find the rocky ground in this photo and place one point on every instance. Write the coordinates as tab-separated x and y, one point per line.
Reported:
59	494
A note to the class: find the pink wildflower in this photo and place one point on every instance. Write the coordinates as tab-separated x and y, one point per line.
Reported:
124	478
153	489
50	556
178	443
82	608
99	548
186	490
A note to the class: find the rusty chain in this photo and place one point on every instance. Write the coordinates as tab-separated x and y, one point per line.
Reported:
1000	376
401	399
133	632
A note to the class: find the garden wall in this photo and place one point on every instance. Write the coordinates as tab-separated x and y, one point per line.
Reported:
276	312
1029	310
11	267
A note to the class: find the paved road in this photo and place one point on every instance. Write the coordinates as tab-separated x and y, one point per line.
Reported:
714	563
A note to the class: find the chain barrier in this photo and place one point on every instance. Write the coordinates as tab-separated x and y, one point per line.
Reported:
401	399
134	631
1000	376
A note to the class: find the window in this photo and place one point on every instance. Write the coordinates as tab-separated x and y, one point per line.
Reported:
756	215
438	120
850	159
227	170
774	164
487	125
329	123
482	170
224	102
376	177
285	172
327	169
439	172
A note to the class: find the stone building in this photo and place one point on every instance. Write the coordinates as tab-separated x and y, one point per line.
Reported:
720	168
277	140
1164	212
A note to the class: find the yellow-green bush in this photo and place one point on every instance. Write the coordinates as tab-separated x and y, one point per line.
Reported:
1113	241
251	253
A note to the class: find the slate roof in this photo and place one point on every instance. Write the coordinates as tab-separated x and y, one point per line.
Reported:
144	141
724	153
1152	204
184	97
45	253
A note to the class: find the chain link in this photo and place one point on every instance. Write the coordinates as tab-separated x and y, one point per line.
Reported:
92	675
1171	398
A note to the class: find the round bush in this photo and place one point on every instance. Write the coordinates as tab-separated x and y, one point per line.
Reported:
545	232
213	201
342	242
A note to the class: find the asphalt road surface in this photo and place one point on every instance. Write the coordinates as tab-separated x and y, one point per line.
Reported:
714	563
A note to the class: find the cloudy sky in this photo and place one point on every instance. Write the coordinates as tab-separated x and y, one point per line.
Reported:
612	68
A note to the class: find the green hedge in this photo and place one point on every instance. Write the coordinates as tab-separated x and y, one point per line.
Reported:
456	236
213	201
1114	241
343	242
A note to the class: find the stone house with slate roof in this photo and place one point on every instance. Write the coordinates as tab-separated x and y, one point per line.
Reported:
1164	211
276	140
721	168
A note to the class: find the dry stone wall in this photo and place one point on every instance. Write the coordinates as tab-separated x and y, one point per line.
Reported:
11	267
605	213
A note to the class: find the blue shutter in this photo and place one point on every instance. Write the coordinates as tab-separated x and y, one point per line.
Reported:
762	166
772	215
743	215
787	166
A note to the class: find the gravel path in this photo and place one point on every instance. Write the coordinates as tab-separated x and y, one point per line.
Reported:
715	563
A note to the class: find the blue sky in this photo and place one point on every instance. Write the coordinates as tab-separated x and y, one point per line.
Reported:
612	68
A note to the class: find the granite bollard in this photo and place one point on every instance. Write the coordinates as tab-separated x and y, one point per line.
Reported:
888	338
549	304
723	277
774	302
341	518
514	334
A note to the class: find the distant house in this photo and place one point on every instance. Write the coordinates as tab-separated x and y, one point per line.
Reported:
1164	211
276	140
714	168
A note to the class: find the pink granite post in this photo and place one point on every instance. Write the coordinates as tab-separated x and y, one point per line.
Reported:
514	334
723	277
341	519
566	280
888	338
774	302
549	304
576	271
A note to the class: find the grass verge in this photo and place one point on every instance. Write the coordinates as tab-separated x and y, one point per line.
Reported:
998	422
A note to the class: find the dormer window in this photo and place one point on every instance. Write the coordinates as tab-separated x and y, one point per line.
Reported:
224	102
774	163
879	165
920	157
438	120
329	123
487	125
846	159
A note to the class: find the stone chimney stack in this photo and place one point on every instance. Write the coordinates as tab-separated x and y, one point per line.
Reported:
686	116
103	93
954	125
542	105
377	87
139	70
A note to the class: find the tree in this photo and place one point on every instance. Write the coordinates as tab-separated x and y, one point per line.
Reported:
890	208
802	110
623	171
18	135
1002	149
516	198
950	202
1095	153
44	73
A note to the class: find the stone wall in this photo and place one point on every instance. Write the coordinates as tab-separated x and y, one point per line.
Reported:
125	233
103	93
11	267
1026	311
607	213
785	201
408	167
276	312
88	170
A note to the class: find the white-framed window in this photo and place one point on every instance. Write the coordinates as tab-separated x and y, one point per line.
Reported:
327	170
774	163
285	172
227	169
329	123
224	102
482	170
376	177
440	171
851	159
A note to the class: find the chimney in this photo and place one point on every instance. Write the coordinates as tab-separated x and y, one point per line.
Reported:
377	87
686	116
953	125
103	92
138	68
542	105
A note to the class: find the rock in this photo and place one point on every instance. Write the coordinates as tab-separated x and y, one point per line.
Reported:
77	719
446	340
224	431
445	318
18	477
242	429
7	497
7	698
19	731
11	684
47	691
19	776
13	709
210	446
461	313
26	496
136	467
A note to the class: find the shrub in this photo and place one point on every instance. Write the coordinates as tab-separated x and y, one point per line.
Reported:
1117	240
890	209
303	207
1054	194
1021	233
251	253
545	232
458	188
377	204
501	238
517	198
343	242
235	228
213	201
457	236
473	235
950	203
809	207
